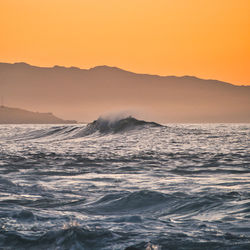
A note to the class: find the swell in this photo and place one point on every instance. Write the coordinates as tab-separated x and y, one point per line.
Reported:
140	208
137	201
163	204
74	237
127	203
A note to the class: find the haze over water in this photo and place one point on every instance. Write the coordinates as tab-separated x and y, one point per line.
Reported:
125	184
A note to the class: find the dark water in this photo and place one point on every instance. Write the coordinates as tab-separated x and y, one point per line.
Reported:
126	186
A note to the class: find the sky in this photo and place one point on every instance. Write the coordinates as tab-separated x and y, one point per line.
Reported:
204	38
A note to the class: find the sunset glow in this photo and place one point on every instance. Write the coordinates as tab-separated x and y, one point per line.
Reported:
208	39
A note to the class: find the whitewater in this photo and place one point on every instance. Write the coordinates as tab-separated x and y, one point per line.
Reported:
125	184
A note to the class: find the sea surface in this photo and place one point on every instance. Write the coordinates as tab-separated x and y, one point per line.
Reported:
125	184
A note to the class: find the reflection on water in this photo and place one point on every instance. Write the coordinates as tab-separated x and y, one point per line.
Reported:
142	187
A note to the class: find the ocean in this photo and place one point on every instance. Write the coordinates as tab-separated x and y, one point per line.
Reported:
125	184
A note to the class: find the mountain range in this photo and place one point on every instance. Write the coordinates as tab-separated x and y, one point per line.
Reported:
19	116
84	94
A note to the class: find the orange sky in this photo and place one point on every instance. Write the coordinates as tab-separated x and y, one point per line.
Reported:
205	38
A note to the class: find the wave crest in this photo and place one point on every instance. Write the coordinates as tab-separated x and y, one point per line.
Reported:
116	126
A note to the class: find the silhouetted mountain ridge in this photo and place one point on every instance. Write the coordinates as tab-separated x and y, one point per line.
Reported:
20	116
106	68
83	94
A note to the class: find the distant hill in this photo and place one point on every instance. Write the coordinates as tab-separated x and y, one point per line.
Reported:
84	94
20	116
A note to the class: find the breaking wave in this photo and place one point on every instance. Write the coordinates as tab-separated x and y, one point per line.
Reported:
101	125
